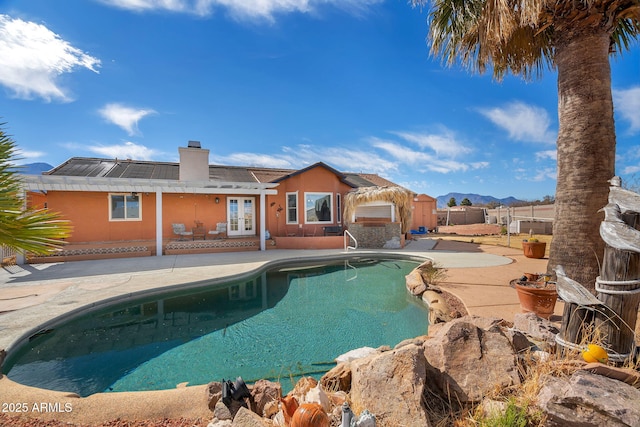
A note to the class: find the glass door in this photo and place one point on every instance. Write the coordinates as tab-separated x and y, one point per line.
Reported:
241	216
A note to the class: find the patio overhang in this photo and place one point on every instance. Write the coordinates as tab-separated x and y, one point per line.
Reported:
82	183
157	186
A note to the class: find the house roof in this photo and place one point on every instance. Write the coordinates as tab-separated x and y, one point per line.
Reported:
116	168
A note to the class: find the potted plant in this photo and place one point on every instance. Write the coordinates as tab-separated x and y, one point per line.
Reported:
537	297
533	248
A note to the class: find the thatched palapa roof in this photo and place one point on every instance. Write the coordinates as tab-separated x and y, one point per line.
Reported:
400	197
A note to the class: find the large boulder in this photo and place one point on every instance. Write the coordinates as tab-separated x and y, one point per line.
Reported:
390	386
414	282
542	331
338	378
264	392
587	399
470	356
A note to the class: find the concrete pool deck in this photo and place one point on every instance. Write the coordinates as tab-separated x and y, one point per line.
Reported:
33	294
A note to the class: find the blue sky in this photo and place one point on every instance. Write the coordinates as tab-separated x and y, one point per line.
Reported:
282	83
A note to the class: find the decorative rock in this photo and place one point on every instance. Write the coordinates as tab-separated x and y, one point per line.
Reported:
414	282
247	418
214	393
589	400
270	409
629	376
537	328
519	341
338	378
467	361
302	387
390	384
317	395
355	354
263	392
439	310
417	340
221	412
220	423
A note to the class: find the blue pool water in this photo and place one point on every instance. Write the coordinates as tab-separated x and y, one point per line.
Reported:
280	324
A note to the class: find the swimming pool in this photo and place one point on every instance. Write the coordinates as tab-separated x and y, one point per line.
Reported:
278	324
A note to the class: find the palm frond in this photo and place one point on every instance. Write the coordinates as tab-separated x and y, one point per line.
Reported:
517	36
21	228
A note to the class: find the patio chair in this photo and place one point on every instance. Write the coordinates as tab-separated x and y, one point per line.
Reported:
181	231
220	231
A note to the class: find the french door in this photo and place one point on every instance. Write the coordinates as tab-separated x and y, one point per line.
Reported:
241	214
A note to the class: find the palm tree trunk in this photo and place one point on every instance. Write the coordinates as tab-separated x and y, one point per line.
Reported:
586	151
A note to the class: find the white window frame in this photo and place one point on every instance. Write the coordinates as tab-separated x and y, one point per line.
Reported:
338	208
296	207
125	195
316	195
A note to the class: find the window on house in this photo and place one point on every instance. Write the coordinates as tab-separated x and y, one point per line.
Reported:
338	208
292	208
318	208
125	207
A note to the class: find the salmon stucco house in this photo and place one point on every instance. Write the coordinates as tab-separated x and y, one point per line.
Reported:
136	208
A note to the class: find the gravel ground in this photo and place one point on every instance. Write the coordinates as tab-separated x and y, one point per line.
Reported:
8	421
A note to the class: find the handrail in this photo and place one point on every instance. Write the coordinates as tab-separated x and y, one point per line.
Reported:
346	247
355	270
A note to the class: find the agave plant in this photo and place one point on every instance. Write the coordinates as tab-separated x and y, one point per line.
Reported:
21	228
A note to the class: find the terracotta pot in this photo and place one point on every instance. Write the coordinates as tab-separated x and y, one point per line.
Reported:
534	249
537	299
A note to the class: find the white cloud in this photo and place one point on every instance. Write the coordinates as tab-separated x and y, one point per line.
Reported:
162	5
419	159
24	156
300	156
542	174
547	155
523	122
255	160
627	103
125	117
479	165
244	9
629	170
32	57
128	150
443	144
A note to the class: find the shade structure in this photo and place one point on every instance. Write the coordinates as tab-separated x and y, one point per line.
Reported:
400	197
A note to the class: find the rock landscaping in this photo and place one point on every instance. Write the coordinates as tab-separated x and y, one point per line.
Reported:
467	371
471	363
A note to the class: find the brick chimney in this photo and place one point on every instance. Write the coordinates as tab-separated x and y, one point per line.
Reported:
194	162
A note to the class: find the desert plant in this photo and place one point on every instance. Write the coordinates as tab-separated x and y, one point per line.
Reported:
22	228
514	415
432	273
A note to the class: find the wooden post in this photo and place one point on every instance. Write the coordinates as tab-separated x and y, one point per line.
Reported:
576	327
619	289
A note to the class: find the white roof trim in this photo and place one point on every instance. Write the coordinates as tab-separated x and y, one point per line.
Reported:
102	184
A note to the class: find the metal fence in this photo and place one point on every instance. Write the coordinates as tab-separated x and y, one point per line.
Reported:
6	253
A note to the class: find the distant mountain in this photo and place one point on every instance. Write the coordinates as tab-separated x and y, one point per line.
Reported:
35	168
475	199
